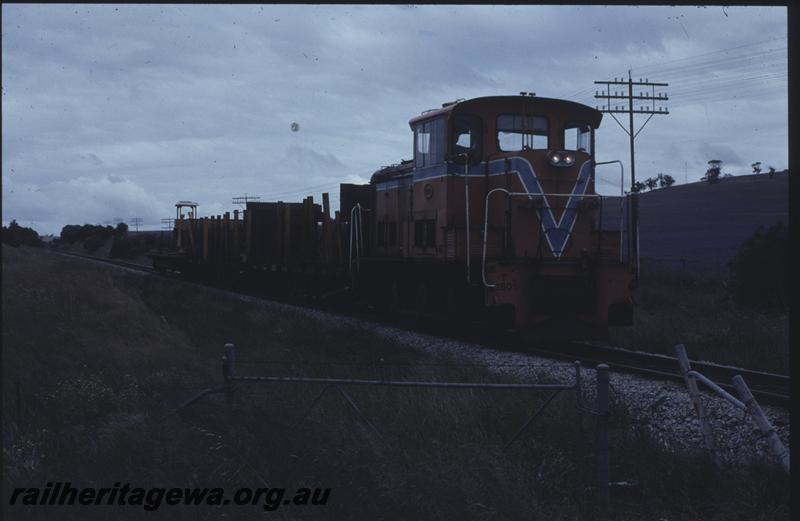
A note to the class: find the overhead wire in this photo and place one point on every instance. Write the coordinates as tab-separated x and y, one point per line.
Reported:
687	69
725	75
748	82
728	60
723	83
303	190
730	75
660	66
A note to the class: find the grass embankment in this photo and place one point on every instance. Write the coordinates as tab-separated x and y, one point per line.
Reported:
103	356
673	307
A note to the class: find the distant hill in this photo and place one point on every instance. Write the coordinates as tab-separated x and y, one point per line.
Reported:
699	226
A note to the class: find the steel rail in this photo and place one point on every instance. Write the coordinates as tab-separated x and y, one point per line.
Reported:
768	387
113	262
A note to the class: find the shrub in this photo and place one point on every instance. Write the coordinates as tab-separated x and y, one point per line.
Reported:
72	233
94	242
121	230
16	235
760	270
124	248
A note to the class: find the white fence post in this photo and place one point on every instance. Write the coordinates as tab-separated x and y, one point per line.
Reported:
694	394
763	423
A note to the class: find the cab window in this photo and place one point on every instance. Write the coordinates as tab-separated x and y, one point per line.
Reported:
466	134
516	132
578	136
429	137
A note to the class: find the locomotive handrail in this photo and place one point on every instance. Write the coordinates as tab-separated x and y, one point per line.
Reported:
486	219
621	200
355	224
466	200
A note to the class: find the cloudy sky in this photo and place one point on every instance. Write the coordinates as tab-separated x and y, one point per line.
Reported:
119	111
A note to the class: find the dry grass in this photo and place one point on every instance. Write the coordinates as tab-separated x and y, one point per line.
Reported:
103	356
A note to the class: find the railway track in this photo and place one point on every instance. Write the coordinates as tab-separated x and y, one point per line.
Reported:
768	388
113	262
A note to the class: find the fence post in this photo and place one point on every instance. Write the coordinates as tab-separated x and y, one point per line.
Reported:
228	361
763	423
18	393
601	438
579	399
694	394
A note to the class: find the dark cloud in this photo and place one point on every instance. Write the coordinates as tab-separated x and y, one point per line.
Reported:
116	111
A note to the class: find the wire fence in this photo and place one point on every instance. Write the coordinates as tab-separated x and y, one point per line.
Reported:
232	382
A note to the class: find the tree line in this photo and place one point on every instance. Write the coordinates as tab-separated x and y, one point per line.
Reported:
660	181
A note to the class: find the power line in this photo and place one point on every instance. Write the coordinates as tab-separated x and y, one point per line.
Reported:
735	86
661	64
301	190
721	81
728	94
728	61
706	82
655	68
660	69
304	190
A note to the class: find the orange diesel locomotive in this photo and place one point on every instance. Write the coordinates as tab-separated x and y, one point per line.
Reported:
496	216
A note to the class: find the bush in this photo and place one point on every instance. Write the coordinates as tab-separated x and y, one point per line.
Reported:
121	230
760	270
16	235
132	246
124	248
94	242
72	233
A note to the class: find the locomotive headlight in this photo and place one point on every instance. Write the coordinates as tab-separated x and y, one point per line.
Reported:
561	158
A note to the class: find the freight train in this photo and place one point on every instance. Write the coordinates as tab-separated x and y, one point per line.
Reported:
494	218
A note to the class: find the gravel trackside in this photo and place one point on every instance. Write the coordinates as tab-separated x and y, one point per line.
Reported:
664	408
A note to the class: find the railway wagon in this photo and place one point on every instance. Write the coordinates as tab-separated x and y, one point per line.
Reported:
495	217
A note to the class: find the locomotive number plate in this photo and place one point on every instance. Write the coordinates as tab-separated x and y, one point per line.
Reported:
506	285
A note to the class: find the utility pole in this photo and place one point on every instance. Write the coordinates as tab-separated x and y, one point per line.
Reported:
242	200
136	221
167	225
651	98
